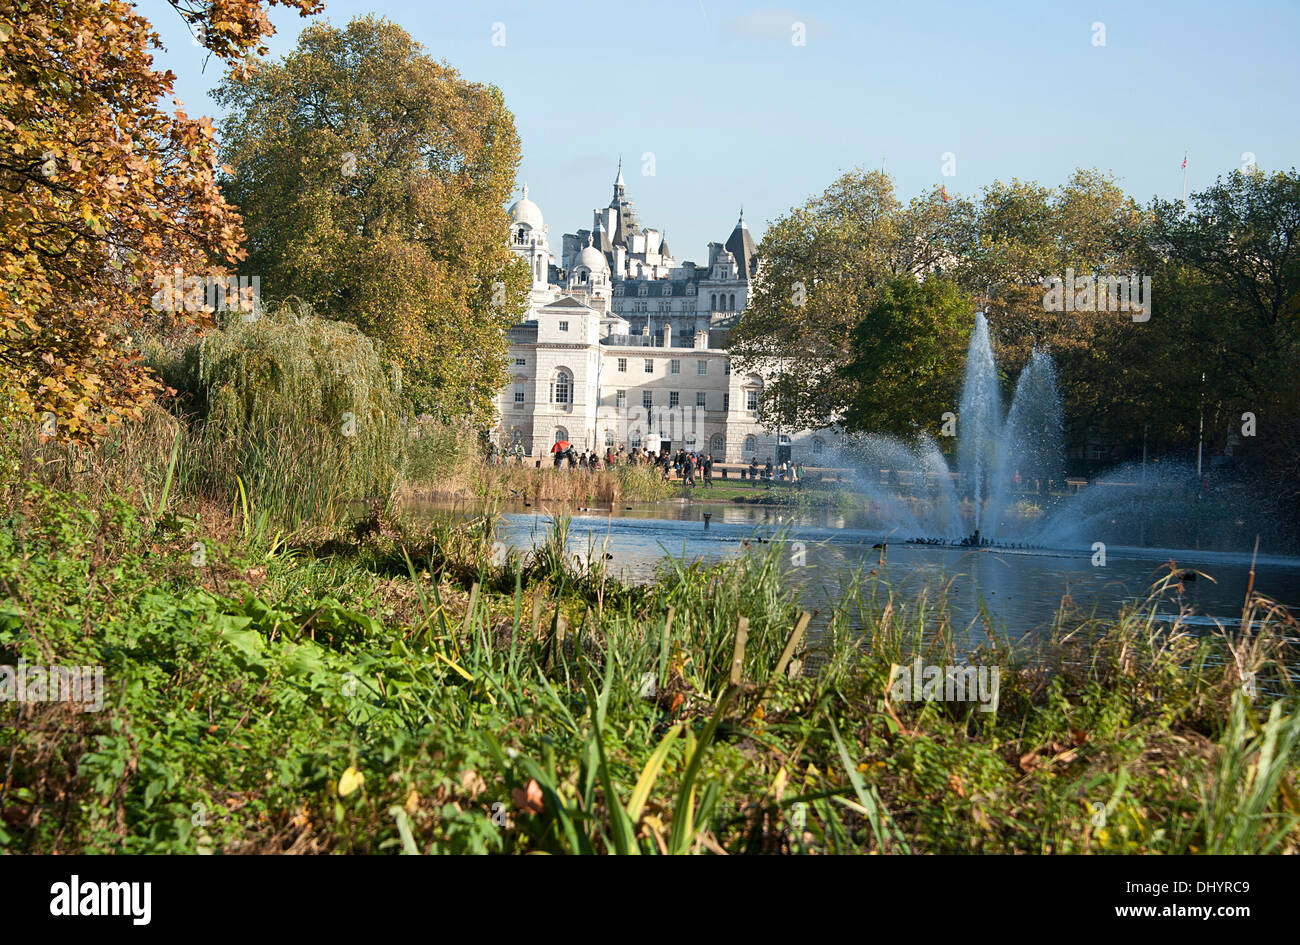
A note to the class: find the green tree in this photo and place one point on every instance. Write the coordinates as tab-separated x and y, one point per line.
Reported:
372	180
1087	227
1239	245
1227	302
822	266
906	357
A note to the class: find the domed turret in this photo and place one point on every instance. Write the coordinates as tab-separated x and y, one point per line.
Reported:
526	212
592	258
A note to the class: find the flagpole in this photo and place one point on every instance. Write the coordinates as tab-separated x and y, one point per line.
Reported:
1184	177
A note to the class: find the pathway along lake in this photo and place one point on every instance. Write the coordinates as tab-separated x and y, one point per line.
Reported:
1020	590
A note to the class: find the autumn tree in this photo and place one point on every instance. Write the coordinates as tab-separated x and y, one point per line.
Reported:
1086	228
105	188
372	180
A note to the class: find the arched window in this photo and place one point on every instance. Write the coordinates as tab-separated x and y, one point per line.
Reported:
561	387
717	445
561	434
818	446
609	439
751	444
713	302
733	302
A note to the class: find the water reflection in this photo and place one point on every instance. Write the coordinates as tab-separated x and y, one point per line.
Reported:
989	590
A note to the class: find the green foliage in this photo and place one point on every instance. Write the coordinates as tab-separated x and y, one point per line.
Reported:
372	180
824	264
303	411
907	356
315	702
1224	271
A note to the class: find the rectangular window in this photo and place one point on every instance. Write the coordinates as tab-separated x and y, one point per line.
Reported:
564	326
649	365
673	398
726	402
622	365
620	399
647	399
751	400
701	367
728	368
520	362
519	393
674	367
700	400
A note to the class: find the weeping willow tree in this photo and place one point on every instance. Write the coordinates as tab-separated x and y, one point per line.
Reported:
303	410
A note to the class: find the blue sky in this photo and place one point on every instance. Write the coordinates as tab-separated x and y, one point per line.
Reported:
735	113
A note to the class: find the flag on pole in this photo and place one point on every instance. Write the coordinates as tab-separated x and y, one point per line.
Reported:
1184	162
943	192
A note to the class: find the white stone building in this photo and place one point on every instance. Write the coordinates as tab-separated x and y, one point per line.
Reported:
624	346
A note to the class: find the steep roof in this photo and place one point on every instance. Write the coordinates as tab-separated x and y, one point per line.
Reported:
741	245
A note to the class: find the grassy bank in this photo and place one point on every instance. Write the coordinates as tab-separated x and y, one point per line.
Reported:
392	689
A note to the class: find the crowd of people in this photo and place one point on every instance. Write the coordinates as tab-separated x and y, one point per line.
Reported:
690	466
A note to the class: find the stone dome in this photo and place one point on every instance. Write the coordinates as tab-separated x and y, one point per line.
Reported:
525	211
592	258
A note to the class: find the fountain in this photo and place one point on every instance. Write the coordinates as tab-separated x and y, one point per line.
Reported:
996	491
967	506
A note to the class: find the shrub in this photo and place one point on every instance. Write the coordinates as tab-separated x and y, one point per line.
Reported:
304	410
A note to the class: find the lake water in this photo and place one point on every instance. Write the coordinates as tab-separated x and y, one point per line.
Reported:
1018	591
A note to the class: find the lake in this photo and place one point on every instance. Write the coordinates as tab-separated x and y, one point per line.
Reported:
1020	591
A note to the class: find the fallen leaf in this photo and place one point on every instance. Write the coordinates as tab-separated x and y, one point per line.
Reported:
351	780
529	800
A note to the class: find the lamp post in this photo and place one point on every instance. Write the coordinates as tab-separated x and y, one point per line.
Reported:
1200	437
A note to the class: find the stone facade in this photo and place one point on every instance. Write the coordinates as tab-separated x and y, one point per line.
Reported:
624	346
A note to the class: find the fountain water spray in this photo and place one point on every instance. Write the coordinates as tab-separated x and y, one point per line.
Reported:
991	449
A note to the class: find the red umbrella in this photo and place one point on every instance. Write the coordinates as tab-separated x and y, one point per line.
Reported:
560	446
